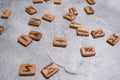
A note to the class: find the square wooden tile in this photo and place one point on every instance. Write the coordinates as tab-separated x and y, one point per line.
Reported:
91	2
57	1
82	32
50	70
37	1
1	29
87	51
89	10
6	13
48	17
60	42
24	40
27	69
75	24
113	39
97	33
73	10
35	35
34	22
31	10
69	16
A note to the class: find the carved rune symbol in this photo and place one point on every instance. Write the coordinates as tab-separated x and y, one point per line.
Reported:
60	40
27	68
23	37
50	69
91	0
88	49
98	32
5	12
47	16
114	38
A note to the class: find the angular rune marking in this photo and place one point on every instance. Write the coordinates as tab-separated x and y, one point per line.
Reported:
98	32
114	38
90	8
50	69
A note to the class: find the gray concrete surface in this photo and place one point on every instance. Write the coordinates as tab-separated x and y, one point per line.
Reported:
105	65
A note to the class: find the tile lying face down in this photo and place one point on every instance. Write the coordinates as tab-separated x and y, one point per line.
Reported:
91	2
31	10
60	42
50	70
113	39
97	33
25	40
89	10
6	13
87	51
27	69
35	35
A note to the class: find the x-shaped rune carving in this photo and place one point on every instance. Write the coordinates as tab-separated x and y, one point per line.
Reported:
88	49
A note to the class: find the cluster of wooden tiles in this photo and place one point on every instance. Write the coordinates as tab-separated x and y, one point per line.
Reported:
25	40
30	70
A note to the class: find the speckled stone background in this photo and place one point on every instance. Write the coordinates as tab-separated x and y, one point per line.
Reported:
105	65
